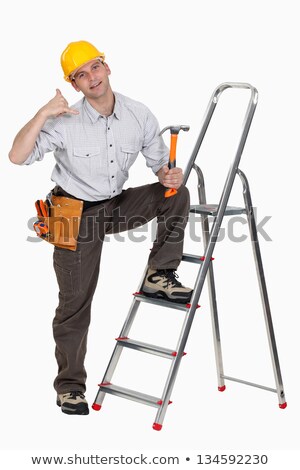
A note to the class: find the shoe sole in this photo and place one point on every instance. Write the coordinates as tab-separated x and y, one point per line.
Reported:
81	409
162	296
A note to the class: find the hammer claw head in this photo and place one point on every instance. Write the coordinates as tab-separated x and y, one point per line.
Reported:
175	129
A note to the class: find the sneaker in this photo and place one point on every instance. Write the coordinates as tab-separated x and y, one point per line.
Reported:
73	403
163	284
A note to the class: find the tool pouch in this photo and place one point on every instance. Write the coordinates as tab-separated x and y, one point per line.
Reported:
63	222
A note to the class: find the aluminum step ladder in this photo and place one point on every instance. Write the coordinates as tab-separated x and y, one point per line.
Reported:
210	237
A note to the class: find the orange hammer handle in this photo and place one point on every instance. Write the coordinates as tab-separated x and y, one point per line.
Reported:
172	162
173	146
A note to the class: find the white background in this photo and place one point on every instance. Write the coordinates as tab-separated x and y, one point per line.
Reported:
169	55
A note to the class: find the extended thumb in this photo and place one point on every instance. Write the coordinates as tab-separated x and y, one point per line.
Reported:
58	92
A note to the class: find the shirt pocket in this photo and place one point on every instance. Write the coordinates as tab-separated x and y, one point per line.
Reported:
87	161
129	153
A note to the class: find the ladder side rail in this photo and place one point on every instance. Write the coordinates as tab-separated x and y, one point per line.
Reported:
189	317
133	309
124	332
211	283
115	357
224	197
206	120
262	287
214	232
128	322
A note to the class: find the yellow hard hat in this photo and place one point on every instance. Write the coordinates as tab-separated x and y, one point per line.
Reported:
77	54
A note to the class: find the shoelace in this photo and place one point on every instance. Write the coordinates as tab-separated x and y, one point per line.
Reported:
171	276
75	394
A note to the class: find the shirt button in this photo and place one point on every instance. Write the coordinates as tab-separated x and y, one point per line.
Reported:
113	176
111	161
114	191
110	145
108	128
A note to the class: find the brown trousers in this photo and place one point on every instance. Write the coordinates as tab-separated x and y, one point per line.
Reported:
77	271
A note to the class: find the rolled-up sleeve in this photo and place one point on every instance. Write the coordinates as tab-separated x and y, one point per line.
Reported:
49	139
154	149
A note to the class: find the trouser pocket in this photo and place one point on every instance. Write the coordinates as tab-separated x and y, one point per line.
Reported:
67	266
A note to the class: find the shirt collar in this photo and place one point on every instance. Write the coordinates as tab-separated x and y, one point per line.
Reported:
93	113
117	107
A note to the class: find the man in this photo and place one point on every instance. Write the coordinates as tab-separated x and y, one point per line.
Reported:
95	142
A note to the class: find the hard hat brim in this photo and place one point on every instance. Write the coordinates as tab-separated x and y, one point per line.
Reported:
70	77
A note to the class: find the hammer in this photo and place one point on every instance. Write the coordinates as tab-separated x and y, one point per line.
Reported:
174	130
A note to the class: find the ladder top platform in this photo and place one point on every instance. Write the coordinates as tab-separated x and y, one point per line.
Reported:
212	209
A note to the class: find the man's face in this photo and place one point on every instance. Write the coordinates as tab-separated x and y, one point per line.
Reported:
92	79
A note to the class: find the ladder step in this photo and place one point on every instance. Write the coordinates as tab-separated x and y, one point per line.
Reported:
131	395
192	258
212	209
163	303
147	348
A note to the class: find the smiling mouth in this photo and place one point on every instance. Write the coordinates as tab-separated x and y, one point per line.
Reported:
95	86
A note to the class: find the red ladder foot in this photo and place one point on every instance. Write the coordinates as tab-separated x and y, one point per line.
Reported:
157	426
283	405
222	389
96	407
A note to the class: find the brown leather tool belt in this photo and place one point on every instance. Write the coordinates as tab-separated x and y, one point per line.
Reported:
59	220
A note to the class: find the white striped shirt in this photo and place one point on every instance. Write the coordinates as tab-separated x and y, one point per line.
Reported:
93	153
